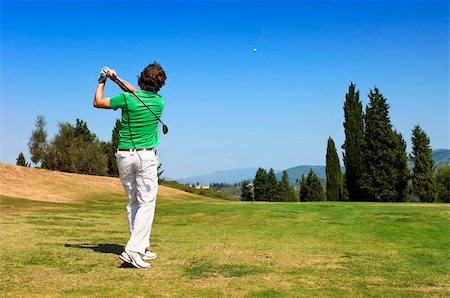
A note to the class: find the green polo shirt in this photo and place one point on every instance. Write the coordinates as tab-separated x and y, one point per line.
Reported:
139	127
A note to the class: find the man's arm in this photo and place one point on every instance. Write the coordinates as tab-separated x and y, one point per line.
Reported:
99	101
113	74
128	85
104	103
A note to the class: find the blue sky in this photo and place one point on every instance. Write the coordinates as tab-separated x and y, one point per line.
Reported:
227	106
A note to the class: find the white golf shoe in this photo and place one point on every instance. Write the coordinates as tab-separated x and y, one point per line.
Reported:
148	255
134	258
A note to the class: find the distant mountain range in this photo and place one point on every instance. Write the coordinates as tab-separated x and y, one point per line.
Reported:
441	156
237	175
229	176
297	172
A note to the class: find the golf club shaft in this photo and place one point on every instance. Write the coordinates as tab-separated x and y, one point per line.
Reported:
125	88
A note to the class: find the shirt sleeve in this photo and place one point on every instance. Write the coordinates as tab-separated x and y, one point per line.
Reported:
117	101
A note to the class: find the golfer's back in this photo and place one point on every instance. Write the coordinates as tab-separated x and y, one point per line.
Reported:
139	128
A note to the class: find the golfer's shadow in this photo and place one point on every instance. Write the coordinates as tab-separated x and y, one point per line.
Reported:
102	248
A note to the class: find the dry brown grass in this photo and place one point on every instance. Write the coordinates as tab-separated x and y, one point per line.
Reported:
52	186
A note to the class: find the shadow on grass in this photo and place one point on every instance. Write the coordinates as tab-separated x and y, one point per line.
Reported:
103	248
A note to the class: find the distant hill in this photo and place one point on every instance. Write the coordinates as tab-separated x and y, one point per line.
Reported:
228	176
237	175
296	172
441	156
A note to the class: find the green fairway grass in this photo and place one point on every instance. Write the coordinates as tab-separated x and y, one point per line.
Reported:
213	248
217	249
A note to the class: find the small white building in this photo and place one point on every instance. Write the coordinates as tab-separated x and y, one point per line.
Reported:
200	186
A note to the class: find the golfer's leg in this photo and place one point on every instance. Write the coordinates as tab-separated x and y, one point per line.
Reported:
128	179
147	237
151	217
133	205
147	188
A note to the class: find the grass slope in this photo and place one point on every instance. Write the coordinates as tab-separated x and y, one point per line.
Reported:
213	248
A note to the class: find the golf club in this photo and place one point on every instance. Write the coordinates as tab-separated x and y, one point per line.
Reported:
123	87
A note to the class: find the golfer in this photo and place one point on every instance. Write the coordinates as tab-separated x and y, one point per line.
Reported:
136	158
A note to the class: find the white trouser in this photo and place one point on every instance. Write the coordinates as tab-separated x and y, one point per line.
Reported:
139	175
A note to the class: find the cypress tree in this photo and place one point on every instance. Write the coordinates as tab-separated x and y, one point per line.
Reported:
159	171
401	166
246	191
303	190
422	177
443	182
112	164
379	177
333	173
314	188
272	190
259	185
20	161
354	143
286	192
344	196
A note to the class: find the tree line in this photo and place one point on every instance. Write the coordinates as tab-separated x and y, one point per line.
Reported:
74	149
375	160
375	156
267	188
218	186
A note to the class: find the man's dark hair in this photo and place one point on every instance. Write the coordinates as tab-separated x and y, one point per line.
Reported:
152	78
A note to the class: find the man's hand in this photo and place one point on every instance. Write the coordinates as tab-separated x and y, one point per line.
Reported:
103	75
111	73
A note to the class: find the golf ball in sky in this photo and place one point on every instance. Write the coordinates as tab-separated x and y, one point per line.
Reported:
255	49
